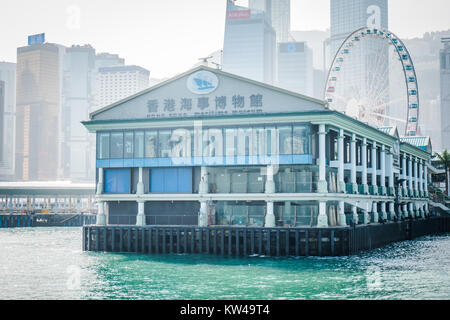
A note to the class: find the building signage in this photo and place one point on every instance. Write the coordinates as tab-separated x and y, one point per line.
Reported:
205	106
238	14
36	38
202	82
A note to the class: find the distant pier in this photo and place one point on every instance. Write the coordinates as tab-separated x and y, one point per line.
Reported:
245	241
46	220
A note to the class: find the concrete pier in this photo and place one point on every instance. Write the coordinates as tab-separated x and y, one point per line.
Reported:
239	241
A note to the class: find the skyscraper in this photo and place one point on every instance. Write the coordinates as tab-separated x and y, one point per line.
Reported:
349	15
79	64
120	82
7	119
295	67
250	42
39	72
281	19
445	94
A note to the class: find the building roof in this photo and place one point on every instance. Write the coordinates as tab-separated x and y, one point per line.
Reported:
171	81
392	131
416	141
124	69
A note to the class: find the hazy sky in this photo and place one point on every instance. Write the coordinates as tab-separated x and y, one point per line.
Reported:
168	36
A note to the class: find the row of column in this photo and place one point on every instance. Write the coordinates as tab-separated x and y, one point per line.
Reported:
386	165
414	186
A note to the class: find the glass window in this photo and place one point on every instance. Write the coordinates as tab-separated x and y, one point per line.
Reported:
164	143
302	139
128	145
285	133
117	145
244	142
151	138
103	146
260	141
272	141
230	142
139	144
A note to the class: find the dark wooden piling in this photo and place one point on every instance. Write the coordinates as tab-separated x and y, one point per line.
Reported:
240	241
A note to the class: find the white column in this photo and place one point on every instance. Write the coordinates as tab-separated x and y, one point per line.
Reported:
405	176
416	178
342	220
375	212
140	218
270	184
341	182
353	163
270	217
421	178
391	211
322	186
411	210
374	169
140	184
100	181
364	165
383	170
322	219
203	215
391	172
366	216
355	214
203	187
101	217
410	181
405	210
383	211
425	182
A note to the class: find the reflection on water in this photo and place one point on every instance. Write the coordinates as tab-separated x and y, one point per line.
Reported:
48	263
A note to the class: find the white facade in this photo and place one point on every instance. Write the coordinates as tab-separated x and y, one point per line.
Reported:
445	94
120	82
295	68
7	119
250	44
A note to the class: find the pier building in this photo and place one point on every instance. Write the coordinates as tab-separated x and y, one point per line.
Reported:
210	148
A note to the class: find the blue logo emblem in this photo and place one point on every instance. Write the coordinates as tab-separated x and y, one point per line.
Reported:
202	82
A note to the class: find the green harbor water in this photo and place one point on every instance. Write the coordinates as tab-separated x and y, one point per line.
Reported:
48	263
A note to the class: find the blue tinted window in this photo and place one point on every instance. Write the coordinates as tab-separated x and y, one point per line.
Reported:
117	180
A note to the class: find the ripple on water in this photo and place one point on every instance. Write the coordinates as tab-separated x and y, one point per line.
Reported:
48	263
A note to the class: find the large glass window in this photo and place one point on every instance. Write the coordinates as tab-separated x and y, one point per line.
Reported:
164	143
128	145
139	144
103	146
301	139
285	133
116	145
117	180
151	138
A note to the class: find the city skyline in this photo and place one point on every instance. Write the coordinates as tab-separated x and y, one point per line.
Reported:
121	28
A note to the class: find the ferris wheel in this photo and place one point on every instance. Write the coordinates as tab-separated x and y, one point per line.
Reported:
372	78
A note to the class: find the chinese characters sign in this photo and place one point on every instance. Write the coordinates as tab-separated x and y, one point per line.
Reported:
205	106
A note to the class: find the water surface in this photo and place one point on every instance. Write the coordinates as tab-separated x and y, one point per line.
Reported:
48	263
